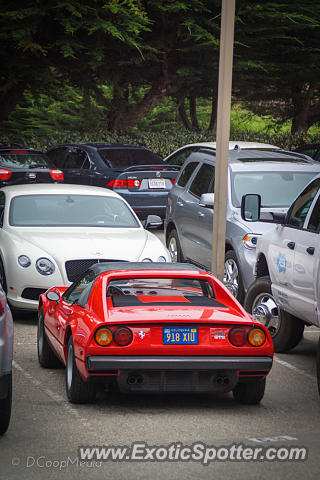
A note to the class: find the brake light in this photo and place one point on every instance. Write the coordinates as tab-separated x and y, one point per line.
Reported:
238	336
5	174
122	336
56	174
119	183
173	180
18	151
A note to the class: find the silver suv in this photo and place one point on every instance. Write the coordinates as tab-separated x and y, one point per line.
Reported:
277	175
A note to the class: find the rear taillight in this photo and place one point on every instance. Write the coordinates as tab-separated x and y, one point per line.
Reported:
103	336
5	174
18	151
256	337
119	183
173	180
56	174
238	336
122	336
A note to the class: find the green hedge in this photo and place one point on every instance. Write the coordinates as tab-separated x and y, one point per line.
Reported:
163	143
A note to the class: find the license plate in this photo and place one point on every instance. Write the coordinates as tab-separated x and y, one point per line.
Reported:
157	183
180	336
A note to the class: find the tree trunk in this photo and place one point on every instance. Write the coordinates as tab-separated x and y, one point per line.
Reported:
213	118
125	120
301	103
184	116
10	99
193	114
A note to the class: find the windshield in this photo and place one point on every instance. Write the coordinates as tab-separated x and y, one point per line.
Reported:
129	157
70	211
25	160
277	189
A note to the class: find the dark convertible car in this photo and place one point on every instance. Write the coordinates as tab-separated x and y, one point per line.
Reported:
136	173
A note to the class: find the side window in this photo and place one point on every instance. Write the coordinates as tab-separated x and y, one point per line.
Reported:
309	151
76	159
57	156
314	222
78	289
180	157
2	204
186	173
204	181
299	210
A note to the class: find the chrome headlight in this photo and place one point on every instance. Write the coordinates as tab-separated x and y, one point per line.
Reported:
161	259
250	240
44	266
24	261
147	260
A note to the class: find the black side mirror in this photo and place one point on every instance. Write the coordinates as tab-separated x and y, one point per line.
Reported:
153	221
53	296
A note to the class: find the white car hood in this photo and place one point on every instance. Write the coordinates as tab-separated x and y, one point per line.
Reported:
73	243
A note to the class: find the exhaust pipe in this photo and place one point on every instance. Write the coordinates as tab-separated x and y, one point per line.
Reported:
135	379
221	380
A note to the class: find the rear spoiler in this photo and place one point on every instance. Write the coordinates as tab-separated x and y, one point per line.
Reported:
157	167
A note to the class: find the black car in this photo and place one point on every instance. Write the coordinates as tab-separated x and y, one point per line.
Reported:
136	173
311	149
26	165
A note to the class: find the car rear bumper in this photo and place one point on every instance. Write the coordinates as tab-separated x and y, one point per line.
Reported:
173	374
106	363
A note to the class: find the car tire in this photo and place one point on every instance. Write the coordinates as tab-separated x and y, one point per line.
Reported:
78	391
250	392
5	407
286	330
174	247
46	356
234	280
3	280
318	366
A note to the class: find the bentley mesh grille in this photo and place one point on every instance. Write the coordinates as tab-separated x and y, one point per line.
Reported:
75	268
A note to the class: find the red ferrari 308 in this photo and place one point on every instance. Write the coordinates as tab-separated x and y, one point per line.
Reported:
152	328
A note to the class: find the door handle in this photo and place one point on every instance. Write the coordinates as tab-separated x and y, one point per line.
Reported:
291	245
310	250
180	204
201	214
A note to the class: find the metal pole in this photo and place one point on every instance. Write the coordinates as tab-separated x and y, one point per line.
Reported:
223	132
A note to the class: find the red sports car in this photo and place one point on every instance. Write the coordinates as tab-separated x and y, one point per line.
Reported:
152	327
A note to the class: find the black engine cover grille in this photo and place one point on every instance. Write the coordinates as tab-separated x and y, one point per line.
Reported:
75	268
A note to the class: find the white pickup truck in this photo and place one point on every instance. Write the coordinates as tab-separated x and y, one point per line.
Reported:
285	295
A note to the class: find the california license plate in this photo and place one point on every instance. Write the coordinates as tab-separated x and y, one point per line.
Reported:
180	336
157	183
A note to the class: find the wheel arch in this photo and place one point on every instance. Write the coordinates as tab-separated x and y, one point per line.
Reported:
261	267
171	226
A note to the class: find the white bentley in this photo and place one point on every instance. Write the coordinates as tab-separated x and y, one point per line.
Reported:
51	233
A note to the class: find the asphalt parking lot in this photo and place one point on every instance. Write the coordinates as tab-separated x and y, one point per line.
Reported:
46	431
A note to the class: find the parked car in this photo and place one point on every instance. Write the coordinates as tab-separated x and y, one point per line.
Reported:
318	366
152	329
26	165
136	173
276	174
6	354
51	234
310	149
286	293
179	156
